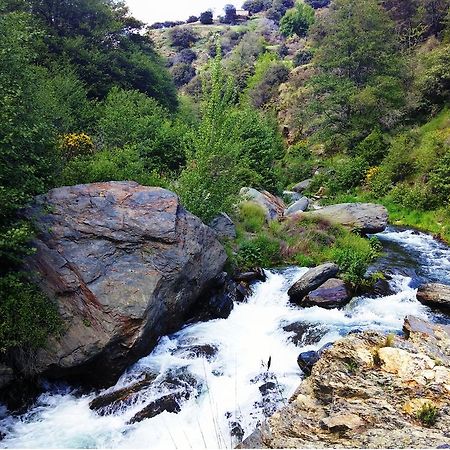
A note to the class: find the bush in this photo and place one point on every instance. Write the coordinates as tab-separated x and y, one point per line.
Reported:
378	180
261	251
182	73
316	4
192	19
297	164
439	181
252	217
206	18
256	6
27	317
399	163
373	148
182	37
302	57
416	197
230	15
348	173
187	56
297	20
428	414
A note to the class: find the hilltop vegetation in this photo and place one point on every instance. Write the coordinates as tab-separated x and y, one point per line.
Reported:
355	90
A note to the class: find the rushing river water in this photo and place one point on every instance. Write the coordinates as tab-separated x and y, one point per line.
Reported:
223	364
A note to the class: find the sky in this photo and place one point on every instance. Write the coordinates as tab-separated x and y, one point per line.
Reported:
150	11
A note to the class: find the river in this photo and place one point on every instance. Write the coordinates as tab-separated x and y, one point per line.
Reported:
230	373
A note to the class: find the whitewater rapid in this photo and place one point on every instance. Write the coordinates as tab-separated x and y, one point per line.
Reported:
233	388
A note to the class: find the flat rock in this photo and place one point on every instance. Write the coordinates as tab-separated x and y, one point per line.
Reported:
311	280
124	263
273	206
298	207
303	185
367	218
331	294
435	295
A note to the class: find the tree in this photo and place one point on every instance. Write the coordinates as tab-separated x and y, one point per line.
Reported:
230	15
192	19
182	37
206	18
297	20
182	73
256	6
358	85
316	4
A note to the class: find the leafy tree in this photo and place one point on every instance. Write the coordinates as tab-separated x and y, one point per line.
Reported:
359	83
230	15
206	18
104	45
256	6
316	4
297	20
182	73
192	19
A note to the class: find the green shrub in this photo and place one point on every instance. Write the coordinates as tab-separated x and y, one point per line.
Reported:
252	217
27	317
297	164
182	37
440	180
297	20
428	414
399	164
348	173
261	251
380	183
417	196
373	148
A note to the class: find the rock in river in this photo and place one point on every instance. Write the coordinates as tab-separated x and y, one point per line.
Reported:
311	280
331	294
435	294
125	264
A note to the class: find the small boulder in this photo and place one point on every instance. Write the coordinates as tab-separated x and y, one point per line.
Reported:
306	360
303	185
342	422
299	206
435	295
367	218
170	403
331	294
311	280
273	206
223	226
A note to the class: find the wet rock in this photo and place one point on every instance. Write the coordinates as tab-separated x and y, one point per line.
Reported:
248	277
311	280
435	295
331	294
305	333
381	288
113	401
236	431
6	375
206	351
303	185
273	206
223	226
168	403
125	263
306	360
366	218
299	206
353	400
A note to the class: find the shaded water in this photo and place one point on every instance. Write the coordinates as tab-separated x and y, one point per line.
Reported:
223	364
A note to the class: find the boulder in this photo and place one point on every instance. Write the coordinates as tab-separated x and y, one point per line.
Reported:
435	295
124	263
303	185
223	226
273	206
306	360
366	392
366	218
299	206
311	280
331	294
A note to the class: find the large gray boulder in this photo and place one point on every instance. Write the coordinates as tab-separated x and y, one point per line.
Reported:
367	218
435	295
311	280
303	185
298	207
273	206
125	264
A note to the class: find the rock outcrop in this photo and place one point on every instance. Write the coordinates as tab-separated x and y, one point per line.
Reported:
435	295
331	294
370	391
297	207
125	264
366	218
224	226
273	206
311	280
303	185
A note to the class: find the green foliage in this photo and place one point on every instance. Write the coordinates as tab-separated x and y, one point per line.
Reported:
130	118
251	216
182	37
119	164
440	180
428	414
26	316
297	164
182	73
372	148
297	20
206	17
261	251
347	173
359	83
